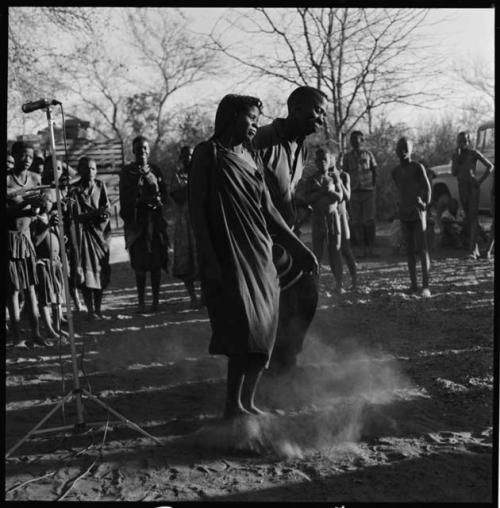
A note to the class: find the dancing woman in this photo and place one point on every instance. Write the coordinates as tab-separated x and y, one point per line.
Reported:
232	216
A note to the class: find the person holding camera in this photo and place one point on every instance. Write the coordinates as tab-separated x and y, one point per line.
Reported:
91	214
143	194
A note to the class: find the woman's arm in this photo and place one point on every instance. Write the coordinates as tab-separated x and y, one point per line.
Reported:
284	235
198	200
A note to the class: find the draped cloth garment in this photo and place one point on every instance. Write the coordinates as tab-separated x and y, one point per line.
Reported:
243	310
93	236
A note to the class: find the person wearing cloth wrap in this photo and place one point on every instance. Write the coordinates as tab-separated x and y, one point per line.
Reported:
281	147
142	196
93	235
185	265
232	217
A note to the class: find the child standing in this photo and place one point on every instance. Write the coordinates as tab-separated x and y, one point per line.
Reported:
343	244
414	191
322	192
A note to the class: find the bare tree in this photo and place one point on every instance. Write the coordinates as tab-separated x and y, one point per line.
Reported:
171	58
478	94
33	34
363	59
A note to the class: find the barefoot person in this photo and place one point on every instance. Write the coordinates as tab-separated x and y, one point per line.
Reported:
281	147
414	192
361	166
93	234
463	166
322	192
20	210
142	196
344	251
231	214
185	265
50	288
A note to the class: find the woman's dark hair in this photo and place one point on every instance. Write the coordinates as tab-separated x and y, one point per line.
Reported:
230	107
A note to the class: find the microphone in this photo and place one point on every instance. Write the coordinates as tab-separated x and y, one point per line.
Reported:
40	104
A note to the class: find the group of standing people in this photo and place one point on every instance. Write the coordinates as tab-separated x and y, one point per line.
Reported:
236	202
35	275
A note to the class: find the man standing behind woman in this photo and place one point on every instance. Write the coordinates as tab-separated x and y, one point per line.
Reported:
185	265
232	217
281	147
142	196
361	166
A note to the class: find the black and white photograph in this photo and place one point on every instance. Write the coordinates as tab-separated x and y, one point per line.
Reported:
249	255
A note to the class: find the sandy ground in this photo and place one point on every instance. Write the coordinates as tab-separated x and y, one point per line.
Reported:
392	400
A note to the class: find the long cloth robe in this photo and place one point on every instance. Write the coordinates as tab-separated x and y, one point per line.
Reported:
145	228
243	310
93	235
185	263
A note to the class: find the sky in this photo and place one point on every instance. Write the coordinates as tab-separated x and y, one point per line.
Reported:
458	34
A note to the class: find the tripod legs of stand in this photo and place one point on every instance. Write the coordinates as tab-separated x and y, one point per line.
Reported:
121	417
40	423
78	426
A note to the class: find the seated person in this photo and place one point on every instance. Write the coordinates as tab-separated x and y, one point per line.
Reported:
453	232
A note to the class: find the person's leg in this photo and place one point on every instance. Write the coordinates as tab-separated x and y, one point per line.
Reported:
15	317
192	293
409	234
491	243
424	255
235	378
253	372
318	238
47	321
32	304
473	221
89	302
140	279
155	287
334	246
75	296
356	221
369	225
350	262
97	296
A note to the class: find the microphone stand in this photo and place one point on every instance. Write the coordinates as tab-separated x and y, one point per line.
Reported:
77	392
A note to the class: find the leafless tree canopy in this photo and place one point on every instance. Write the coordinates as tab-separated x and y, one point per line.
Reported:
362	58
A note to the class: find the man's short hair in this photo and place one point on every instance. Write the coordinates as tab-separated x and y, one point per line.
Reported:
19	147
303	94
139	139
355	134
